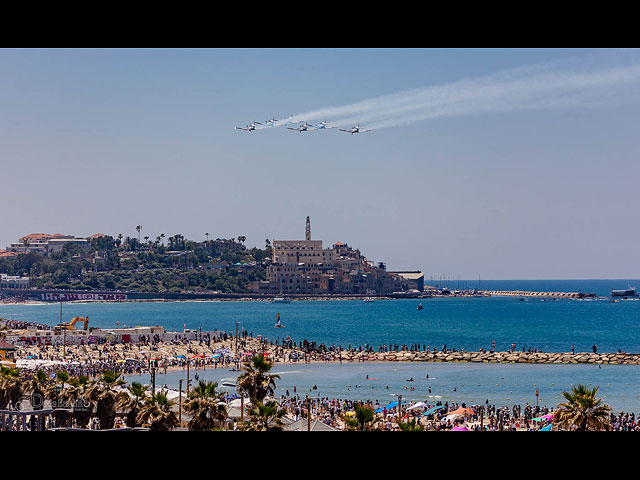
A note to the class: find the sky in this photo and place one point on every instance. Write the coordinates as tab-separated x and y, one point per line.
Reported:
503	164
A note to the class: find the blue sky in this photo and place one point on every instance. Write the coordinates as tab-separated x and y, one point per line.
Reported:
104	140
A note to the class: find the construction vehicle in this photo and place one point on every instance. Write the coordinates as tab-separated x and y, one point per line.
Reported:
71	325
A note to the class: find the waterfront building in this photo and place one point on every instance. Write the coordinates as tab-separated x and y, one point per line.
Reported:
45	243
414	277
13	281
305	267
7	352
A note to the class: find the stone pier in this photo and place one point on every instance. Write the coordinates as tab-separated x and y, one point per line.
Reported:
505	357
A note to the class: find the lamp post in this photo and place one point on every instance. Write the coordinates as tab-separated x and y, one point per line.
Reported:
180	400
237	323
399	406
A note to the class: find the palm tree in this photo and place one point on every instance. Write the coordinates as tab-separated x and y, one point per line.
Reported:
363	417
582	411
10	387
206	407
158	414
132	401
56	393
37	385
104	393
264	417
410	426
76	395
256	380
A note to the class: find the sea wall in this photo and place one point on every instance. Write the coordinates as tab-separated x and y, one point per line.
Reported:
507	357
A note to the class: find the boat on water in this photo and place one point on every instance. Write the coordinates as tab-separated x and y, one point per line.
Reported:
369	299
278	324
420	306
629	292
281	300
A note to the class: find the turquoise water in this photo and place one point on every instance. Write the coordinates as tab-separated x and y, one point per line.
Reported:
500	384
469	323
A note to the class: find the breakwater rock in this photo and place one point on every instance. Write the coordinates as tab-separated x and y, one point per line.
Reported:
506	357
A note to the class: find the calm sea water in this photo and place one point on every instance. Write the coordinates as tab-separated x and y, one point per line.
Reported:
500	384
469	323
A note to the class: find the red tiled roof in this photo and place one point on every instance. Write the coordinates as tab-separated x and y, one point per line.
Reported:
5	345
36	236
97	235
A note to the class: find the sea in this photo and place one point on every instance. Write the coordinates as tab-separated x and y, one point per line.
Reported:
468	323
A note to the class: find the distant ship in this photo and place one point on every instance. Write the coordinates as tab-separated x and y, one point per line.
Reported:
281	300
419	306
278	324
629	292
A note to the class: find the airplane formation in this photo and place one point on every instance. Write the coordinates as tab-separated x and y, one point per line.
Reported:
303	127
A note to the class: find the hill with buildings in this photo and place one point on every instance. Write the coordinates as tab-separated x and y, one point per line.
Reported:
101	262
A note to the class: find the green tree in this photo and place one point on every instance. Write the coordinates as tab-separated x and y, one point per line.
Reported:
264	417
206	407
104	393
132	402
158	413
256	380
582	411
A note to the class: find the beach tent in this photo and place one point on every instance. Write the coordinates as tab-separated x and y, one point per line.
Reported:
546	429
417	405
462	411
450	417
433	410
387	407
460	429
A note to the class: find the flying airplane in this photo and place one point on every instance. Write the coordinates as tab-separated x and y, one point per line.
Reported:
274	120
250	128
355	129
322	126
302	128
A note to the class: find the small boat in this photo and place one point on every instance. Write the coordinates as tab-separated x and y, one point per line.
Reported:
419	306
278	324
369	299
281	300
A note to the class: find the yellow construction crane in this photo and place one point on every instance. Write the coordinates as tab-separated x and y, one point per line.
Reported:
71	325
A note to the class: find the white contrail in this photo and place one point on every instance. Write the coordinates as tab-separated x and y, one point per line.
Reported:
538	87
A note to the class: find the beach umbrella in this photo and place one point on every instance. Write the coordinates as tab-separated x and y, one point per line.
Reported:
433	410
462	411
450	418
549	416
388	407
460	429
417	405
546	429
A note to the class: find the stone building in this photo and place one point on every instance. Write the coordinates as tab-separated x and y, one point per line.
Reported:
305	267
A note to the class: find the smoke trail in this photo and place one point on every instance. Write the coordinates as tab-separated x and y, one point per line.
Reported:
528	88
